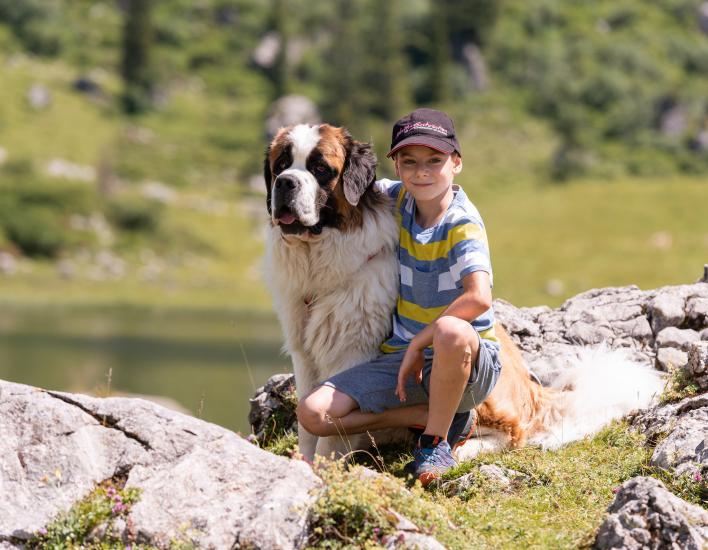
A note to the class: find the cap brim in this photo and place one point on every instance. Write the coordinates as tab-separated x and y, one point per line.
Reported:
426	141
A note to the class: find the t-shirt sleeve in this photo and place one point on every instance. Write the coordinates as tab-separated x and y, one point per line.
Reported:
390	187
469	251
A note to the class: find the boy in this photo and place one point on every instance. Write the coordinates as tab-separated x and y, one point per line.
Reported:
443	327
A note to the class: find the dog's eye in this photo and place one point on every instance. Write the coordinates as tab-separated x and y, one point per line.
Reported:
320	169
281	165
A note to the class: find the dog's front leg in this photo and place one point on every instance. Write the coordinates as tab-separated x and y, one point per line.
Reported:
304	383
341	446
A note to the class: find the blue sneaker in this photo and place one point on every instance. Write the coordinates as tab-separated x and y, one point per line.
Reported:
432	460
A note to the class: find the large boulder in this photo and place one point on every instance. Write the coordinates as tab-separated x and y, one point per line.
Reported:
645	515
56	447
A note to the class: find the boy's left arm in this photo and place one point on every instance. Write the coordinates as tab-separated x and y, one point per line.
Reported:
475	299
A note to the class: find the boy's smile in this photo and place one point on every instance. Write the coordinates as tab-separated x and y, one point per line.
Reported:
428	175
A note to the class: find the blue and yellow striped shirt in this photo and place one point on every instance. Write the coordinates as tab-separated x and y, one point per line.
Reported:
433	262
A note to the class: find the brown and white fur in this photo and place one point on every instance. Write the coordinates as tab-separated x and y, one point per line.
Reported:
332	269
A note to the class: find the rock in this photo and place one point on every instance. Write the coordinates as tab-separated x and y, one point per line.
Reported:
658	421
55	447
644	514
39	97
685	450
159	192
273	408
490	473
703	17
289	110
697	367
266	52
476	66
671	358
413	541
697	310
60	168
86	85
704	334
677	338
666	310
8	263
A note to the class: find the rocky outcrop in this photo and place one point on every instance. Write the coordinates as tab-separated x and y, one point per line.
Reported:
655	327
645	515
198	481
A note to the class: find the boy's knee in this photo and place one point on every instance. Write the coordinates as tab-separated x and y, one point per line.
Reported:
312	415
453	333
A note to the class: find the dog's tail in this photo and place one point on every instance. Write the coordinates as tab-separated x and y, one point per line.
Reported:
601	385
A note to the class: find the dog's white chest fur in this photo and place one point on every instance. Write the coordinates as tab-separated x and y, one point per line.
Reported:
334	294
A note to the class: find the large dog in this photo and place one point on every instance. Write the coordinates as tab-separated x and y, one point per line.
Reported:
332	269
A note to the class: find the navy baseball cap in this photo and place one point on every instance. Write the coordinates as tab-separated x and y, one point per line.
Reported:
426	127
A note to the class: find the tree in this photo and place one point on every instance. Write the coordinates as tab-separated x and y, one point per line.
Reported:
138	77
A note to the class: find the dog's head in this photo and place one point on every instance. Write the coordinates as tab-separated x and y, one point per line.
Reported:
316	177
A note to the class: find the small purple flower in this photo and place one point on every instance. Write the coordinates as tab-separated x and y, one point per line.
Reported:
118	508
615	490
251	438
42	531
111	491
697	477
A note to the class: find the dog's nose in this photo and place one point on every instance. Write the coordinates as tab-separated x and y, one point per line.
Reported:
285	182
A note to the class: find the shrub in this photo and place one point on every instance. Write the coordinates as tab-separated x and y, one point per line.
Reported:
37	231
132	213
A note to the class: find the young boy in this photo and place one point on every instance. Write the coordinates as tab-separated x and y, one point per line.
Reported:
443	357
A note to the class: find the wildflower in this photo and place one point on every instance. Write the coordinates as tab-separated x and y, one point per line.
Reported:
697	477
42	531
615	490
118	508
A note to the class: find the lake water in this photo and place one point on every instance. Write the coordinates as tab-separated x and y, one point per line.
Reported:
207	362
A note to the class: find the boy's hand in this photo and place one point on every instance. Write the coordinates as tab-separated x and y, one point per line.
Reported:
412	365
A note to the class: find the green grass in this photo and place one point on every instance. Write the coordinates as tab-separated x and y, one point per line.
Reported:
560	504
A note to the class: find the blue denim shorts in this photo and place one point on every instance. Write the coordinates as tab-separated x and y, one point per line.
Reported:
372	385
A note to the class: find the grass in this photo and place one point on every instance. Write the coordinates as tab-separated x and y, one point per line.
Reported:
560	502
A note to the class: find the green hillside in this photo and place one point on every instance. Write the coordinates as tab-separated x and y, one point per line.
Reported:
582	151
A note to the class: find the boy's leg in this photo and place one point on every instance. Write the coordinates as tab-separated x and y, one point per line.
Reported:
327	411
456	346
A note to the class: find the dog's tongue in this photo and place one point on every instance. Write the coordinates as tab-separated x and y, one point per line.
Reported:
286	219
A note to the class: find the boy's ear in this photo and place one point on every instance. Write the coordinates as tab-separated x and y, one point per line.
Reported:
267	176
359	171
457	166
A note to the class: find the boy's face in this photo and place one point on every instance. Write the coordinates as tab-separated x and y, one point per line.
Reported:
425	172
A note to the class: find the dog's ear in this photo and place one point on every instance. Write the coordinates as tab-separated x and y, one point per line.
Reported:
268	176
359	171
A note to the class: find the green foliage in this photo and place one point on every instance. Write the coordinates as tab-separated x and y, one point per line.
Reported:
679	386
134	213
34	212
101	507
603	75
136	63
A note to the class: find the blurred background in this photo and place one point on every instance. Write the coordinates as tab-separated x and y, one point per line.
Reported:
132	135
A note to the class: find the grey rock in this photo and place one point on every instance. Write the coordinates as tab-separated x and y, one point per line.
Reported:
685	450
410	540
273	408
8	263
704	334
661	419
267	50
56	447
666	310
697	310
645	515
677	338
697	367
39	97
500	476
289	110
671	358
703	17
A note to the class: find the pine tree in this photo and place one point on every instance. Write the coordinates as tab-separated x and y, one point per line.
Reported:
281	68
136	70
439	65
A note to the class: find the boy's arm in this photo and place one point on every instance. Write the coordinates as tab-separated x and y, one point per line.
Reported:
475	299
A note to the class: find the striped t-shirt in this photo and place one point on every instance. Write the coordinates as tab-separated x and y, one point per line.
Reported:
433	262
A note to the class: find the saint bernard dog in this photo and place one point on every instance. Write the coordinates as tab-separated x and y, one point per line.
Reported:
331	266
